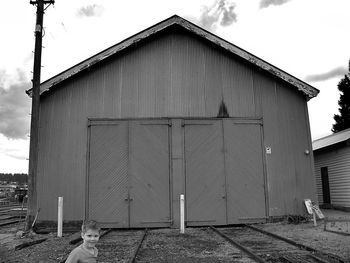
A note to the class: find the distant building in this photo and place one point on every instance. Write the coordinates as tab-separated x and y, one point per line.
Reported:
7	190
174	110
332	170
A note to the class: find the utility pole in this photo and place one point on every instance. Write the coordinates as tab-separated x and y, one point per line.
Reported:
34	124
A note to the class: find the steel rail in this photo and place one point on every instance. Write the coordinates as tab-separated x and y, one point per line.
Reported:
31	243
239	246
9	222
133	257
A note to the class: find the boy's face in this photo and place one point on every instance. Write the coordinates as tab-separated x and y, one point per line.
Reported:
90	238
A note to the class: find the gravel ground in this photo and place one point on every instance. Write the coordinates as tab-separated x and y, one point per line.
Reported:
196	245
55	249
315	236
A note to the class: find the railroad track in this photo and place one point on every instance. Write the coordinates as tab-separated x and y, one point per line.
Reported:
248	244
8	220
263	246
206	244
9	216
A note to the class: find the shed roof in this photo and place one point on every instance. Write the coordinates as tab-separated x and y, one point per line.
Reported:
331	139
305	88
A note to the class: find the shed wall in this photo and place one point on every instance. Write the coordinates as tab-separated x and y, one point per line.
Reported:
338	163
175	75
287	133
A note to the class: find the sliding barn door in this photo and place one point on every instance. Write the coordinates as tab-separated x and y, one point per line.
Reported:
108	175
204	172
149	173
129	173
244	172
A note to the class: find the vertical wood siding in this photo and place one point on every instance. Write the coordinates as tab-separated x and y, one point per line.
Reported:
286	131
175	75
338	163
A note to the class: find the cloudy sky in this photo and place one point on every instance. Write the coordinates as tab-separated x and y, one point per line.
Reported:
307	38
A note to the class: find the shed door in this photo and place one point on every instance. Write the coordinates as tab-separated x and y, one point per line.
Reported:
245	172
325	185
128	183
205	175
149	173
108	174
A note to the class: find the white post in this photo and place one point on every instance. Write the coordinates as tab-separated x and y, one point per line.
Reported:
60	216
314	217
182	214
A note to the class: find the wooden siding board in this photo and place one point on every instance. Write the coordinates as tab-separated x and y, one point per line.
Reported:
145	75
52	176
60	162
93	94
257	89
298	181
195	66
287	146
238	89
130	80
110	90
213	83
338	163
306	186
178	96
44	164
162	77
274	165
77	154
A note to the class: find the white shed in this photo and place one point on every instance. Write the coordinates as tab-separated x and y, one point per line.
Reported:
332	170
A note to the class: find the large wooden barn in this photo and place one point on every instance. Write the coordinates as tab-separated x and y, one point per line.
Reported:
174	110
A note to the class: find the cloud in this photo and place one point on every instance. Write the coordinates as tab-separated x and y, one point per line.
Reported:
337	72
90	11
267	3
16	153
14	107
228	16
221	12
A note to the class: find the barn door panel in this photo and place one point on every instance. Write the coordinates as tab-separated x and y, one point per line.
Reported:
205	175
107	176
149	173
244	172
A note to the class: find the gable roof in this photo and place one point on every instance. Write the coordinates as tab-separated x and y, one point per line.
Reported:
305	88
331	139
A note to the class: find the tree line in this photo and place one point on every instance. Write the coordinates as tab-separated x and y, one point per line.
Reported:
19	178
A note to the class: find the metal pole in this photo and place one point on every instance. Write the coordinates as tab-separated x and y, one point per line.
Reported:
34	125
60	216
182	214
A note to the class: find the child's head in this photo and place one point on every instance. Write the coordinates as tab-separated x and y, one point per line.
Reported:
90	233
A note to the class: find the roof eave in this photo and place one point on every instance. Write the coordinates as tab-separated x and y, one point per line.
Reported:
305	88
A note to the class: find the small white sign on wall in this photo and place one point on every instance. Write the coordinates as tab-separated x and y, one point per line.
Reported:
268	150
